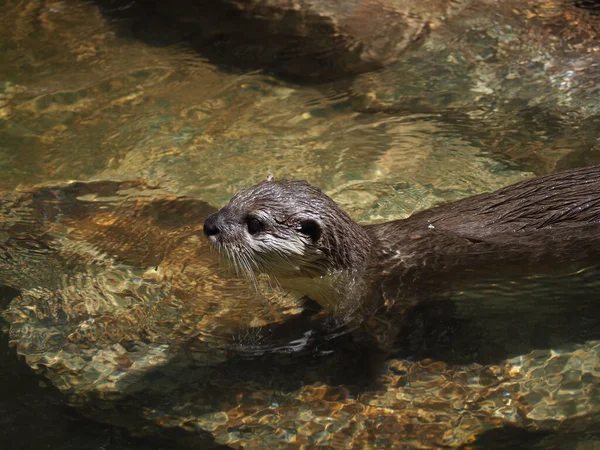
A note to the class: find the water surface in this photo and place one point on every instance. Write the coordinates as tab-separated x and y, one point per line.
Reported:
124	309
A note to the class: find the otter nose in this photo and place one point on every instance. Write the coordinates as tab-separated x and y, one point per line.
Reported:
211	225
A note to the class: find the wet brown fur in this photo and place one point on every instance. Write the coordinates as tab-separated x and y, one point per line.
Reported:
541	225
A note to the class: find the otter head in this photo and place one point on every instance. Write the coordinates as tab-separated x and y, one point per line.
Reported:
286	229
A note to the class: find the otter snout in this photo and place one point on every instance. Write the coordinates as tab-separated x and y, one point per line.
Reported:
213	225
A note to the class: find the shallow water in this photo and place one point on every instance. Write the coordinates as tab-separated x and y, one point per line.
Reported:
128	314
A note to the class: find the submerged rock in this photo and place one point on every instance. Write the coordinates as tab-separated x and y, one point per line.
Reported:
316	39
519	79
523	73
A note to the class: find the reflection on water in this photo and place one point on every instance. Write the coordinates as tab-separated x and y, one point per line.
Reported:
121	305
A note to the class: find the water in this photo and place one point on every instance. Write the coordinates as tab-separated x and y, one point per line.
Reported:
125	310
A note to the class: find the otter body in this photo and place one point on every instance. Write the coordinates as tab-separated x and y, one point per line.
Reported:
300	237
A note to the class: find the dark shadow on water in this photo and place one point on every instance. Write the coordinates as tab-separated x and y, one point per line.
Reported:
515	438
300	46
572	438
591	5
508	438
438	330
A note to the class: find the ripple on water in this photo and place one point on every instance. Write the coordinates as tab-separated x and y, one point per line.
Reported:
120	298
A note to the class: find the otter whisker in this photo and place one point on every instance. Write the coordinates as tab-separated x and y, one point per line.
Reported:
244	265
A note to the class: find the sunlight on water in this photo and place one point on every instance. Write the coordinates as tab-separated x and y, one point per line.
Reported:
104	106
122	305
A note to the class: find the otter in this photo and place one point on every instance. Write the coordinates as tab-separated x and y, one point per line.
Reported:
303	240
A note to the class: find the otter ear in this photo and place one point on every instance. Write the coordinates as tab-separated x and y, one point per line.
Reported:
311	228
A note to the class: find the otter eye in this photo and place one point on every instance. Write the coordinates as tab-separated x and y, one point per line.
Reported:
311	228
254	225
